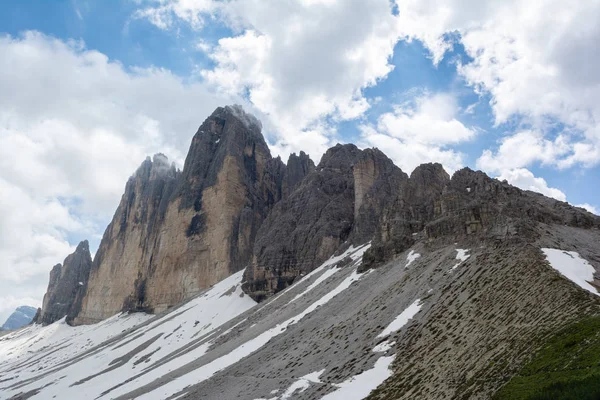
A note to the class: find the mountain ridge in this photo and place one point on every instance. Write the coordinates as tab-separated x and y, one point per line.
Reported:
233	206
349	280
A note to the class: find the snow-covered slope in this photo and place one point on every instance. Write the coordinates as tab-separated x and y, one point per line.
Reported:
428	324
126	352
573	267
85	361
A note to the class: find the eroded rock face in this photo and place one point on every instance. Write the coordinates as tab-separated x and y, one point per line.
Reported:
176	233
67	283
355	196
298	166
474	204
338	203
234	206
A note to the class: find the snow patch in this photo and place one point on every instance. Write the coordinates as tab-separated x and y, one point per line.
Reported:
383	347
359	386
573	267
355	253
412	256
461	256
301	385
402	319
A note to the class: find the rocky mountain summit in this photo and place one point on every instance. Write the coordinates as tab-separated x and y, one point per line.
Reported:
178	232
342	280
234	207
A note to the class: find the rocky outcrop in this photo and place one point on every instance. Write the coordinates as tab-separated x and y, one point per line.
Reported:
178	232
297	167
67	284
474	204
338	203
355	196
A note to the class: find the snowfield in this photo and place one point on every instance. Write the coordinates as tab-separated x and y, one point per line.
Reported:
65	362
402	319
573	267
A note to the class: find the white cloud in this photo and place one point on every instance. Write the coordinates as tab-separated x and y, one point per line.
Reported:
74	128
420	131
524	179
298	62
536	59
522	149
163	13
588	207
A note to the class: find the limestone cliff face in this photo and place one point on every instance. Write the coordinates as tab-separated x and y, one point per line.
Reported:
337	203
67	282
178	232
234	206
115	279
355	196
298	166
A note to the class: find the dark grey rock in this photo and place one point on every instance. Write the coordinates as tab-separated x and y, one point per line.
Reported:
178	232
67	283
355	196
297	167
320	215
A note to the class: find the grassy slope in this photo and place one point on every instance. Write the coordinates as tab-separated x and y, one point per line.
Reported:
568	367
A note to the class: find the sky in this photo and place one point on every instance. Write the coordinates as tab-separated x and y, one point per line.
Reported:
90	88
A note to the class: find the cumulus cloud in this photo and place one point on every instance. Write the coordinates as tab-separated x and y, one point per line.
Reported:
589	208
75	126
163	13
420	131
524	179
299	62
536	60
522	149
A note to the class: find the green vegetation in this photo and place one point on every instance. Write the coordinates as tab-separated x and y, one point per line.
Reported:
567	367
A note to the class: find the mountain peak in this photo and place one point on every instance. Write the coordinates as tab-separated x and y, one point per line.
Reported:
83	246
249	120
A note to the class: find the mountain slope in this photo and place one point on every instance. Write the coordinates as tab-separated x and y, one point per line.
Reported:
479	311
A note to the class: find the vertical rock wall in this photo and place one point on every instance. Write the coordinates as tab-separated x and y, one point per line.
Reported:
67	283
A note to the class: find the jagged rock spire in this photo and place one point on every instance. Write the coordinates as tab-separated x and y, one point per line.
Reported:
67	282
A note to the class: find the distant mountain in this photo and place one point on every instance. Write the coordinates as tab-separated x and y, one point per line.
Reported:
18	319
